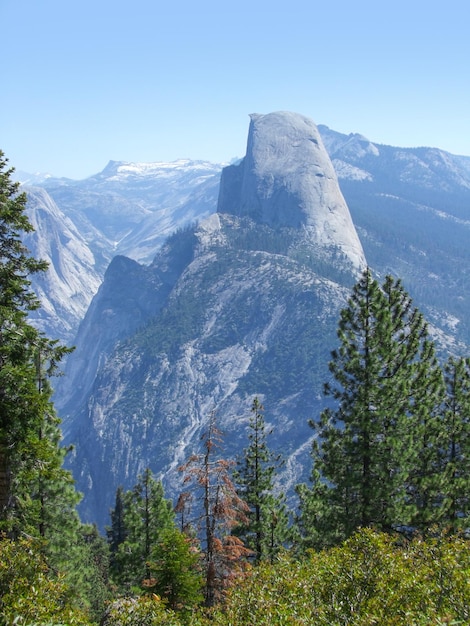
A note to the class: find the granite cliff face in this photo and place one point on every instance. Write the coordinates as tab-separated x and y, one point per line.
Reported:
243	304
288	180
72	279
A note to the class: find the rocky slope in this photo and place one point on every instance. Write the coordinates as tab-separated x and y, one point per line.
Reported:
72	280
128	208
244	304
411	208
246	301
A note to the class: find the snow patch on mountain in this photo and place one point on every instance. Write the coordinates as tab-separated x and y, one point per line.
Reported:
353	146
161	169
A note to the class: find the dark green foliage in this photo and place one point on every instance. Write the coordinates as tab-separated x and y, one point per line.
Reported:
316	525
419	400
29	440
16	297
37	495
140	517
375	458
117	532
267	528
93	571
175	571
455	442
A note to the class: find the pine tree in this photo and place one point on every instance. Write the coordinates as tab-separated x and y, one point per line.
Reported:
415	361
267	528
116	533
175	572
95	567
46	499
27	358
37	495
221	511
145	514
317	520
18	410
387	383
456	443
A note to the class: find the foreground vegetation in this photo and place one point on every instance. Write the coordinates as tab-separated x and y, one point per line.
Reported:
372	578
379	536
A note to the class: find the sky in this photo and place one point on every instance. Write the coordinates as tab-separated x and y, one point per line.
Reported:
87	82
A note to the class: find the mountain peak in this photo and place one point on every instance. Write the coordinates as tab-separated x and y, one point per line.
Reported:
287	180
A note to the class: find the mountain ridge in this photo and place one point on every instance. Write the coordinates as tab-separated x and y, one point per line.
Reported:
232	306
231	302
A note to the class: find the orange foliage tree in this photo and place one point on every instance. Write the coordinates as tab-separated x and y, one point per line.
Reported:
219	510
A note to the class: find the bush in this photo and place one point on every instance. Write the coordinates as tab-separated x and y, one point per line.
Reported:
373	578
143	611
29	593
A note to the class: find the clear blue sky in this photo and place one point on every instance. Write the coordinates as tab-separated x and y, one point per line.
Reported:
87	81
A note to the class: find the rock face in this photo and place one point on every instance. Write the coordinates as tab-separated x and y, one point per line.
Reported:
287	180
243	304
72	280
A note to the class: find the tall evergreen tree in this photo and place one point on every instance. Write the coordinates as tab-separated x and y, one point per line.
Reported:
175	570
28	426
267	528
386	383
37	496
416	362
95	569
20	402
46	498
146	513
456	443
117	532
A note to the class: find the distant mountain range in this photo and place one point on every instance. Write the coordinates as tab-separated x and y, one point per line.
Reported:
129	208
221	283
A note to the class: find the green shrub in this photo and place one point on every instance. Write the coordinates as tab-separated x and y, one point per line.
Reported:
373	578
143	611
29	592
